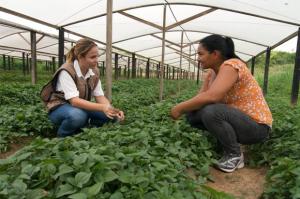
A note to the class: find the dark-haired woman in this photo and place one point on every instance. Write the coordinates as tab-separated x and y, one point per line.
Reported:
74	83
231	105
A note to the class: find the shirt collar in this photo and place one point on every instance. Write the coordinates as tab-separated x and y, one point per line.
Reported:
79	73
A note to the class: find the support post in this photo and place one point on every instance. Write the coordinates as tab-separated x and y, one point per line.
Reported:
296	76
266	73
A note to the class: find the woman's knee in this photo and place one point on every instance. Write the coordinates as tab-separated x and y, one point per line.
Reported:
77	117
212	112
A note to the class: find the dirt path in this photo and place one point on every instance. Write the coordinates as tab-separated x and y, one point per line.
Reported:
245	183
14	147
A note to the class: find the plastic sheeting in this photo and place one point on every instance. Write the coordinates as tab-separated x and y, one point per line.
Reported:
137	25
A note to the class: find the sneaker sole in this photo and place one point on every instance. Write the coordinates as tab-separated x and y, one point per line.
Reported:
241	165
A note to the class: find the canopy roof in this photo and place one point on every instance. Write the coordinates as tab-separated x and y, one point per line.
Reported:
137	25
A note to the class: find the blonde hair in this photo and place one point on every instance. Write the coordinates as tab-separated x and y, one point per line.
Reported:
81	48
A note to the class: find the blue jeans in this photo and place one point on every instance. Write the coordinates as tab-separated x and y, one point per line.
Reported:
70	119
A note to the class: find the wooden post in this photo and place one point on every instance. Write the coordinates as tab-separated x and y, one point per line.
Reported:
252	65
33	57
266	74
61	46
133	68
108	74
148	69
296	76
53	65
23	64
116	65
12	62
198	72
161	82
128	68
189	72
27	63
4	62
8	62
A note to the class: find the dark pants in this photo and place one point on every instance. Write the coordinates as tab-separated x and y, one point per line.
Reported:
229	125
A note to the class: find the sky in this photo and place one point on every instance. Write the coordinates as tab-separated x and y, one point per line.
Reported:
289	46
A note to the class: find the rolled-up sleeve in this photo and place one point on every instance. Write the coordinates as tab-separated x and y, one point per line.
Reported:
98	90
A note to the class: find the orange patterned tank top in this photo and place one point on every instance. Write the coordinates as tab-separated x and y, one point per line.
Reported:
246	95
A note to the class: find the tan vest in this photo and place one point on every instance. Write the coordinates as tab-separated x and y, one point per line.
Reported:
53	98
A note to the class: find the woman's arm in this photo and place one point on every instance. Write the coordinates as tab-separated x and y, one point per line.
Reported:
208	80
102	100
224	81
87	105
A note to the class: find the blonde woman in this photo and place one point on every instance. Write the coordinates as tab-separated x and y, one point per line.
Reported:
71	89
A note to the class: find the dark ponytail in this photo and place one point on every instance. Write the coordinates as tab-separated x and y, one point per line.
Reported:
223	44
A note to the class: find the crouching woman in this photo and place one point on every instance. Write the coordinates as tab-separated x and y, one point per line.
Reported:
68	95
230	104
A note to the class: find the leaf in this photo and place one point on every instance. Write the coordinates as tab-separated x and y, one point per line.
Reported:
125	176
36	194
63	169
159	166
78	196
109	176
116	195
80	159
208	153
82	178
94	190
20	186
65	189
23	156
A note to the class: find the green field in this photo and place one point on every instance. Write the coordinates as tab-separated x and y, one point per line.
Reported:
144	157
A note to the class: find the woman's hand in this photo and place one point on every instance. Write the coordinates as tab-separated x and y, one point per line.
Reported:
175	113
109	111
121	115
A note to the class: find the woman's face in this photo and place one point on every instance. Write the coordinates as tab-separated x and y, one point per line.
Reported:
205	57
90	60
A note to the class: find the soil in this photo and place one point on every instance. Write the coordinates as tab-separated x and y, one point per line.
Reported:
17	145
245	183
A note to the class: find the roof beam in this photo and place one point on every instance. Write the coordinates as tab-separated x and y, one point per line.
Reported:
248	41
42	36
141	20
191	18
173	43
28	42
27	51
27	17
12	34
